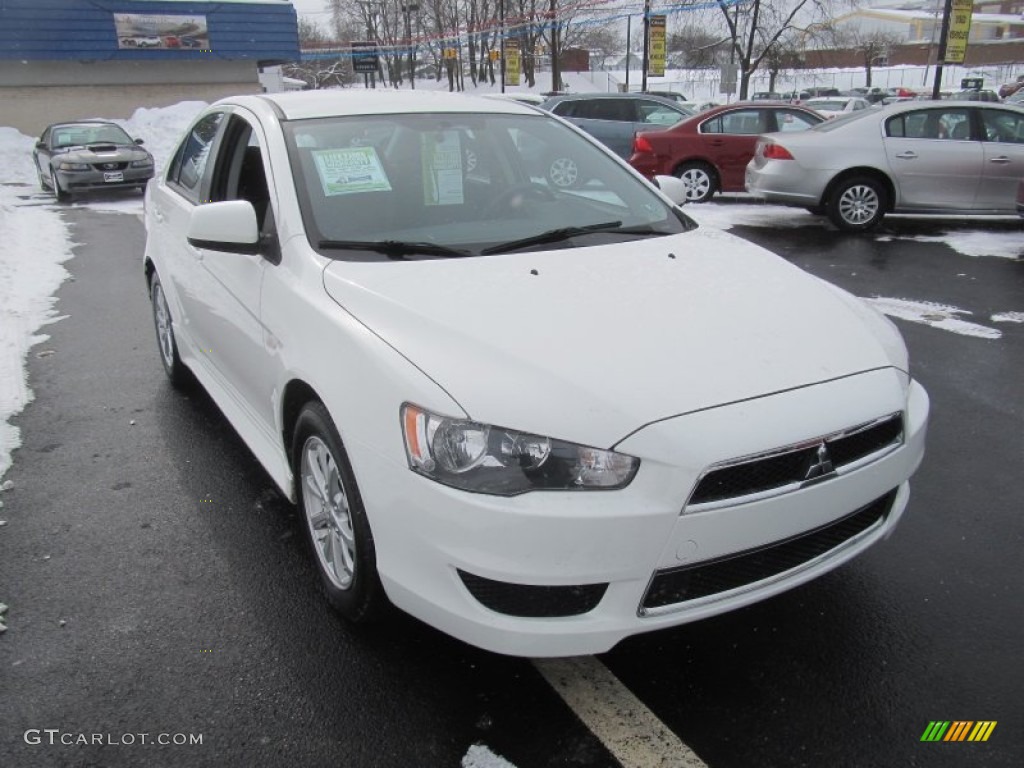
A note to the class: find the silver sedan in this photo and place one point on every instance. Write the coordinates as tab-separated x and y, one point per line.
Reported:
921	157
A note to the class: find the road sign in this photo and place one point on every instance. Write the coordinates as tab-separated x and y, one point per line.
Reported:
364	56
959	31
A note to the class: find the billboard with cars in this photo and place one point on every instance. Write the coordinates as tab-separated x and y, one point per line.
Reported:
161	31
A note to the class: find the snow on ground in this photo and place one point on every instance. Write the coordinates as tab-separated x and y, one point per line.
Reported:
34	245
480	756
936	315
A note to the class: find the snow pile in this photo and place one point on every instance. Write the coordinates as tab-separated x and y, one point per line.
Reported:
16	157
161	128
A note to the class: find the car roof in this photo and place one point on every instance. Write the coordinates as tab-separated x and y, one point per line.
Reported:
602	95
88	121
301	105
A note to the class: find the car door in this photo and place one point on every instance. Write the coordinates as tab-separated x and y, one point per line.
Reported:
1003	167
225	308
169	210
42	153
934	159
608	120
728	140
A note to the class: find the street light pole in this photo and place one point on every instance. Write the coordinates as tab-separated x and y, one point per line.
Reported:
556	74
501	41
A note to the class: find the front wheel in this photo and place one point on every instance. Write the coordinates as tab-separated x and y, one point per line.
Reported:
699	180
173	367
857	204
59	193
335	520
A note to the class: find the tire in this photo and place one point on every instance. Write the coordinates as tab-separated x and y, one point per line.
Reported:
563	172
857	204
60	194
335	520
166	344
701	182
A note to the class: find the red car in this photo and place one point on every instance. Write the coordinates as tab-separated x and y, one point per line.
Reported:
710	150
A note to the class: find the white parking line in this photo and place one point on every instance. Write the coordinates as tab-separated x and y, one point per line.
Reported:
627	728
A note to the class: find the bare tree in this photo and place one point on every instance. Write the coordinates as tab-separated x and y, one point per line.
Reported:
756	26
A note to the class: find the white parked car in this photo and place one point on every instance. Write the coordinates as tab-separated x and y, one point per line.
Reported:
920	157
833	106
541	419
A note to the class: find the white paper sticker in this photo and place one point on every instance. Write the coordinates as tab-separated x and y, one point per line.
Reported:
350	170
442	169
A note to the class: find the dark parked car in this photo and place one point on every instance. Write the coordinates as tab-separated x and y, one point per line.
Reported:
90	154
614	118
710	151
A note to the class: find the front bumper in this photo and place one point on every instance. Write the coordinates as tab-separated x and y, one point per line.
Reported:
79	181
445	555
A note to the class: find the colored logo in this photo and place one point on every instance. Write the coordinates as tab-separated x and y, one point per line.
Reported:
958	730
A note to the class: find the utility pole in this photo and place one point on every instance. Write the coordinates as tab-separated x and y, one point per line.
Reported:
501	41
556	74
647	44
407	10
937	87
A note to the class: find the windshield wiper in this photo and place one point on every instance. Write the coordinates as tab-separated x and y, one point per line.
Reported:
393	249
565	233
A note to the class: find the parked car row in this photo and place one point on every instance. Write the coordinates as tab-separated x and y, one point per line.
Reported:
837	156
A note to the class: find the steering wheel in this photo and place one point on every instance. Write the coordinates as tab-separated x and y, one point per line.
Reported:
517	194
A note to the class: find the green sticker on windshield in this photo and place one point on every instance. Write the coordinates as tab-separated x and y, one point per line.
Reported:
350	170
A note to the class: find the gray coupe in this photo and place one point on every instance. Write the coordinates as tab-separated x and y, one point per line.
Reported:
90	154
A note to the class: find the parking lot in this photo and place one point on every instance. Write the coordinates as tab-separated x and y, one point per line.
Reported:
158	582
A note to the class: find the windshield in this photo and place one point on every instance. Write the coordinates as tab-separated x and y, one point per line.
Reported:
828	106
453	185
89	133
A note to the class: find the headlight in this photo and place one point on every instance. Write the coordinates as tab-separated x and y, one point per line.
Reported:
73	166
142	163
487	459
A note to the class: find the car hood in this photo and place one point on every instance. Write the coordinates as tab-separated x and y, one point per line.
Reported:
590	344
94	153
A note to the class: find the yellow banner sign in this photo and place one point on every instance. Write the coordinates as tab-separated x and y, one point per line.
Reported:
511	62
959	31
656	52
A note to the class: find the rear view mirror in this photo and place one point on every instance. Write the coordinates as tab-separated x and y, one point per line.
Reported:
674	189
225	226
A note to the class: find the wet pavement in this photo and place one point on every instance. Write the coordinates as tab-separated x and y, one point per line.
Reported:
190	606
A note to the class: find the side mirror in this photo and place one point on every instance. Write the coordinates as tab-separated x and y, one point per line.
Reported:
40	145
139	141
673	188
228	226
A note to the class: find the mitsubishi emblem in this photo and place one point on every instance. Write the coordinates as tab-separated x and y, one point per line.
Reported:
821	466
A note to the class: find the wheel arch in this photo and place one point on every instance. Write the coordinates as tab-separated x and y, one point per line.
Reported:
862	171
295	395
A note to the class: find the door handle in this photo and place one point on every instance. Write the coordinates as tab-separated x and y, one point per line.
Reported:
1002	159
908	155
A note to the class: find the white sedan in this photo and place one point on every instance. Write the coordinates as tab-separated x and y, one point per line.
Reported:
538	418
833	106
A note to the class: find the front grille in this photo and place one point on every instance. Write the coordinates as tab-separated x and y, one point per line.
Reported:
789	466
678	585
531	601
111	166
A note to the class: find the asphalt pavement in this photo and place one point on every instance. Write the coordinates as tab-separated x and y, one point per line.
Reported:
158	584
